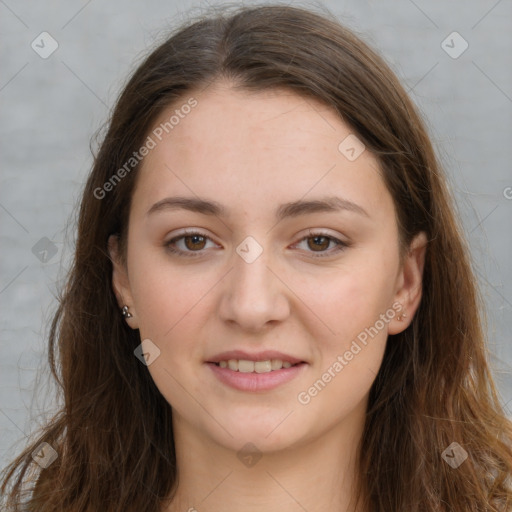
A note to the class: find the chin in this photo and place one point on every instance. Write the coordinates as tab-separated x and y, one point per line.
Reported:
272	434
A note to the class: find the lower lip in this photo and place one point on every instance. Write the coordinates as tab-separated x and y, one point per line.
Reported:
256	381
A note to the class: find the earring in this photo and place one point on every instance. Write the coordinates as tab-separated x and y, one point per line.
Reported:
125	312
401	317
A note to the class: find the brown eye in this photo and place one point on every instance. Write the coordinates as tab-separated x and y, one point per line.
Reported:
319	245
320	242
194	242
189	244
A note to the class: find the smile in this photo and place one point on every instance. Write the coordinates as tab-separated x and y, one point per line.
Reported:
246	366
254	376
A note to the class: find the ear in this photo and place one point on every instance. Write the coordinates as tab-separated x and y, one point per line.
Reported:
409	284
120	282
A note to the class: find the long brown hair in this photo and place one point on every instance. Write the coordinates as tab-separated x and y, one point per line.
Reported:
114	435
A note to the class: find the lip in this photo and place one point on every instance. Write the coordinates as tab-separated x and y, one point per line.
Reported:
259	356
256	381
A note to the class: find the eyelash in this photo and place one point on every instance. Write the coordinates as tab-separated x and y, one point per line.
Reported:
340	245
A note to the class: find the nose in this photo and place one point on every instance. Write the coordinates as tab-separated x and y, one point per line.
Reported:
254	296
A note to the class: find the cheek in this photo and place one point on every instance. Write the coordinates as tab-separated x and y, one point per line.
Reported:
351	298
165	295
348	361
341	385
172	310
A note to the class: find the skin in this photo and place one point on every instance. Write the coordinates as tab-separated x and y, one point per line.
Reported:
252	152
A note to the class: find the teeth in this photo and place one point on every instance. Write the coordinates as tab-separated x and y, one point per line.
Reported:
276	364
245	366
262	366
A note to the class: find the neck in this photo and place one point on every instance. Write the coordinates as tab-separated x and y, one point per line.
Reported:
317	475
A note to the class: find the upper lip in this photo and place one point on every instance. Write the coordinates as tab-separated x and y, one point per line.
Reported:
257	356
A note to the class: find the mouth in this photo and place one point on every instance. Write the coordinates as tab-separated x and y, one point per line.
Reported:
257	374
248	366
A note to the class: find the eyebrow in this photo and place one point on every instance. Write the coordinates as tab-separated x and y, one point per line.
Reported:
291	209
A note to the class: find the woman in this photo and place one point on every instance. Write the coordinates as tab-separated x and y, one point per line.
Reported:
271	305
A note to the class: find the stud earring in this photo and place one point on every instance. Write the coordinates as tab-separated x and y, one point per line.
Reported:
401	317
125	312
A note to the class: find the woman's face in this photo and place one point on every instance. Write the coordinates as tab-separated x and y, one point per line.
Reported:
297	261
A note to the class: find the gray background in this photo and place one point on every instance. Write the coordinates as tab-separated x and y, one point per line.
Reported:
50	109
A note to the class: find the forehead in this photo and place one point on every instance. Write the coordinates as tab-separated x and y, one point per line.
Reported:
248	148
